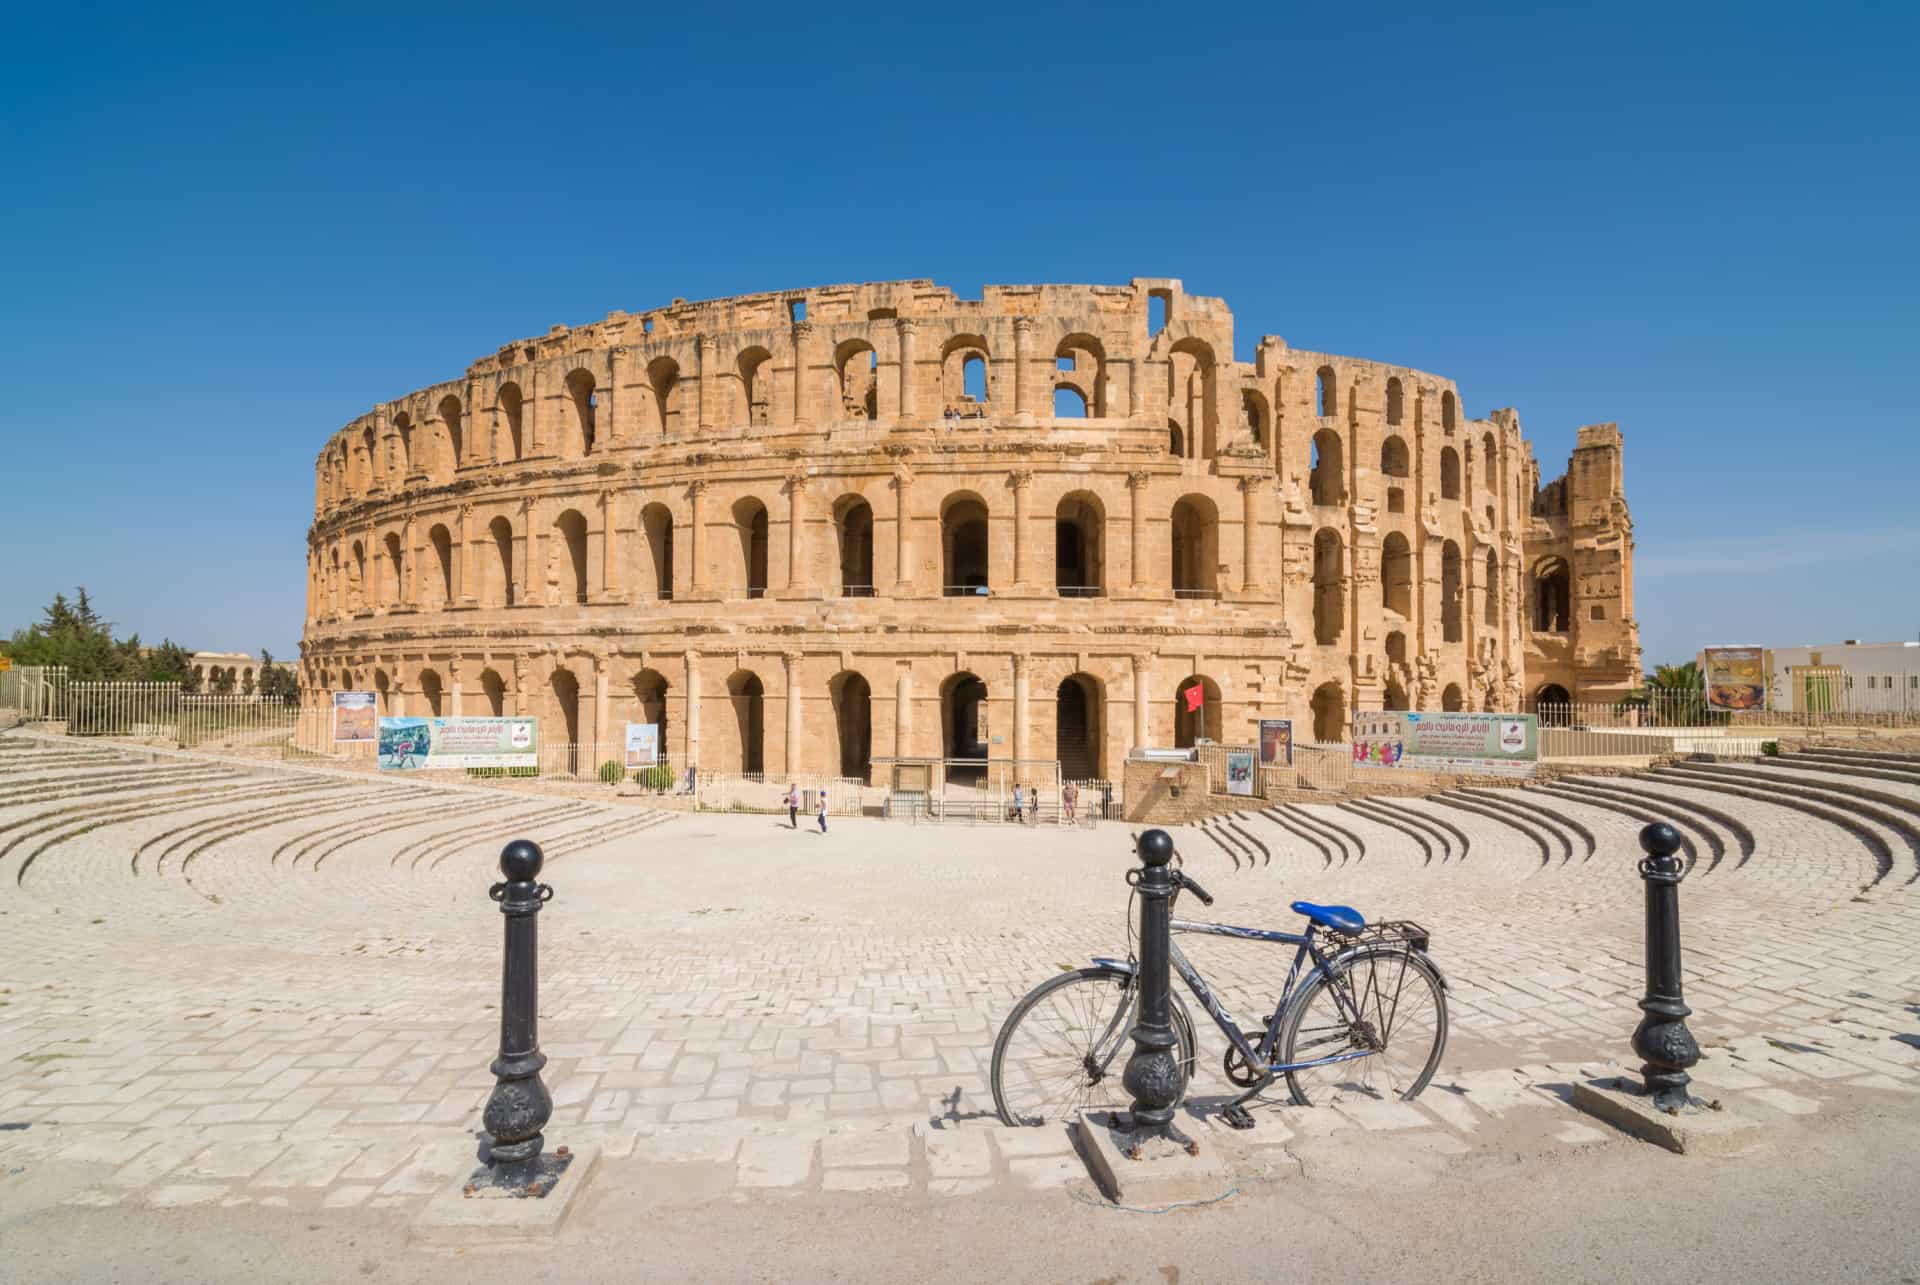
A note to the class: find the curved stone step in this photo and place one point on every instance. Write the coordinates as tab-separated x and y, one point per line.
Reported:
608	833
1342	836
1451	835
1312	839
1570	831
1840	767
440	852
1206	827
331	839
1706	814
1645	815
1254	843
1419	836
1527	828
1895	812
1763	792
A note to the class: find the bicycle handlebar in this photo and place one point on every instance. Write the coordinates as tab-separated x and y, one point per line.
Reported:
1183	880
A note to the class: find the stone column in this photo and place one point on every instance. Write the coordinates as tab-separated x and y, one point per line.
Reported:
520	702
697	542
1250	577
796	534
533	568
905	325
790	661
463	588
609	546
1021	480
709	380
693	709
1142	669
454	709
902	526
1022	338
903	714
600	734
802	331
1137	484
407	591
1022	665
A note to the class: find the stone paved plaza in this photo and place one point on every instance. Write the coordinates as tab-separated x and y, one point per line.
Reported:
226	984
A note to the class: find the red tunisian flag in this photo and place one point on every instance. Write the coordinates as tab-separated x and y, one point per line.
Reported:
1195	695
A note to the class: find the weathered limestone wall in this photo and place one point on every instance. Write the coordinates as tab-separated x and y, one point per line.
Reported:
759	525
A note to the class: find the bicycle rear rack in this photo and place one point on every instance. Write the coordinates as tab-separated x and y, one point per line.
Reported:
1387	931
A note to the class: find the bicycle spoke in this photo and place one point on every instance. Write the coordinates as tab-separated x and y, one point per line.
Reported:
1384	1005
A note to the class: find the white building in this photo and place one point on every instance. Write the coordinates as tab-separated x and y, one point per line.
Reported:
1852	677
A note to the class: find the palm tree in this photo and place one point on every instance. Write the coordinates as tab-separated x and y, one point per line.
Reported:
1677	696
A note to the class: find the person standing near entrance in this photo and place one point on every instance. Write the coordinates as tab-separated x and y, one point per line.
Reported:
793	806
1019	801
1069	797
1033	806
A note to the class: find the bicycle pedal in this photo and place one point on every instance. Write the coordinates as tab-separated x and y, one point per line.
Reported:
1238	1117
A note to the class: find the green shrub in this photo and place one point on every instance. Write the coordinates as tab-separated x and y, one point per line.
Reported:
611	773
1770	748
658	777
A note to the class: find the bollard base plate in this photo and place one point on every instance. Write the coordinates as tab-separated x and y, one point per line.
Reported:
534	1179
468	1212
1701	1126
1164	1172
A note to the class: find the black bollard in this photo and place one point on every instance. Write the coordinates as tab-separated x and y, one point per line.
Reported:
520	1105
1154	1075
1662	1037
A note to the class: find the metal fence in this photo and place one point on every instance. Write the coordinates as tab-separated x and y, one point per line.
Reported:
971	791
32	691
163	711
1660	707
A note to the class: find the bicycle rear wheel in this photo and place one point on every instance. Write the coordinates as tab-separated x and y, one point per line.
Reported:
1063	1048
1391	1004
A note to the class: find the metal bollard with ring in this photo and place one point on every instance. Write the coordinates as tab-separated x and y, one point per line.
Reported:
1154	1075
1662	1038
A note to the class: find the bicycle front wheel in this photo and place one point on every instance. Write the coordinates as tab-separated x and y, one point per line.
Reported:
1386	1002
1064	1047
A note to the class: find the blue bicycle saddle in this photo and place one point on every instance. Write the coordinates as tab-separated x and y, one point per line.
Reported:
1342	919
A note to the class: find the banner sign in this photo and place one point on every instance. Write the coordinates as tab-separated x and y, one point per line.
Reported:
1240	772
643	744
1462	744
412	744
1734	677
353	717
1276	742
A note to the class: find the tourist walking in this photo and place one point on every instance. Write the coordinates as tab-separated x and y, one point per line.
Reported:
823	811
1069	796
1019	802
1033	806
793	807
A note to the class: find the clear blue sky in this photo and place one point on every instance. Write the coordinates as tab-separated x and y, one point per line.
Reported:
227	233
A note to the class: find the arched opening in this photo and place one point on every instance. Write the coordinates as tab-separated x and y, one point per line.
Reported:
501	587
1078	565
1190	392
858	366
1326	394
1396	575
656	526
963	373
650	702
403	429
494	689
371	452
1490	462
1079	732
1069	402
756	386
1084	359
1253	411
1394	467
357	570
1449	410
1159	309
1395	697
1329	586
1553	705
852	722
571	529
1329	709
383	692
663	378
1451	699
432	692
450	416
853	524
963	717
1196	717
394	574
580	395
750	520
964	547
512	404
1176	441
1451	626
1449	473
1491	613
1396	401
1552	597
1396	648
1327	473
566	708
748	698
1195	547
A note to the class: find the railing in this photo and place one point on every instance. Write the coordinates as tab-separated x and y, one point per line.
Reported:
162	711
856	591
33	691
758	792
1080	591
966	591
1656	707
1196	593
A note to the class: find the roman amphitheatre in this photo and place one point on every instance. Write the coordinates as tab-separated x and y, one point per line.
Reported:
805	530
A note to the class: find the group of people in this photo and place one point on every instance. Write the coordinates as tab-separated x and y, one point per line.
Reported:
793	808
1026	803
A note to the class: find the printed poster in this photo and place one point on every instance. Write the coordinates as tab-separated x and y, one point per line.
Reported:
353	717
1460	743
1735	677
1276	742
1240	772
417	744
643	744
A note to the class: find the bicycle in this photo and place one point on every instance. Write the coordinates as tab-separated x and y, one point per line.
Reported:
1368	1017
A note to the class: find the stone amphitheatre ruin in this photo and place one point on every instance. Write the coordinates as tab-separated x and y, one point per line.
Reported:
808	528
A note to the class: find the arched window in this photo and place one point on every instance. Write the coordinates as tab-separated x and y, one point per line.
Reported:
1176	441
963	717
1078	567
1326	393
656	526
1449	473
964	383
394	579
1451	699
433	693
1553	705
570	531
852	722
357	571
1552	597
853	522
756	386
1492	614
858	366
1079	728
1396	401
1451	629
1080	365
1329	587
1196	717
1190	392
963	546
750	520
403	429
494	689
1069	402
566	705
371	478
1490	455
1449	411
1394	467
747	695
1195	547
663	381
1253	408
580	396
1327	474
1396	575
511	403
450	417
501	588
649	689
1396	648
1329	708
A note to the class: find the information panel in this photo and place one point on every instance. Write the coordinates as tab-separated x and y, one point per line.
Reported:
353	717
1276	742
1463	744
643	744
416	744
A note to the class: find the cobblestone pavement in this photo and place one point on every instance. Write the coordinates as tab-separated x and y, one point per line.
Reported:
223	984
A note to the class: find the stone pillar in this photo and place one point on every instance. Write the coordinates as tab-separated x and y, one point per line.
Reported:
1250	577
709	380
609	546
1142	672
697	541
407	591
1137	484
790	661
1021	480
520	702
1022	665
463	587
454	708
693	709
903	714
903	540
905	325
1022	338
796	534
529	556
600	734
802	331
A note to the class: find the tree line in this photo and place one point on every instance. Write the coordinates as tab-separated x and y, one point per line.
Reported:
74	635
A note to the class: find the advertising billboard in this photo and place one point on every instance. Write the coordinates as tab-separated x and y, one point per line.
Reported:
1735	677
353	717
1276	742
643	744
1458	743
427	744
